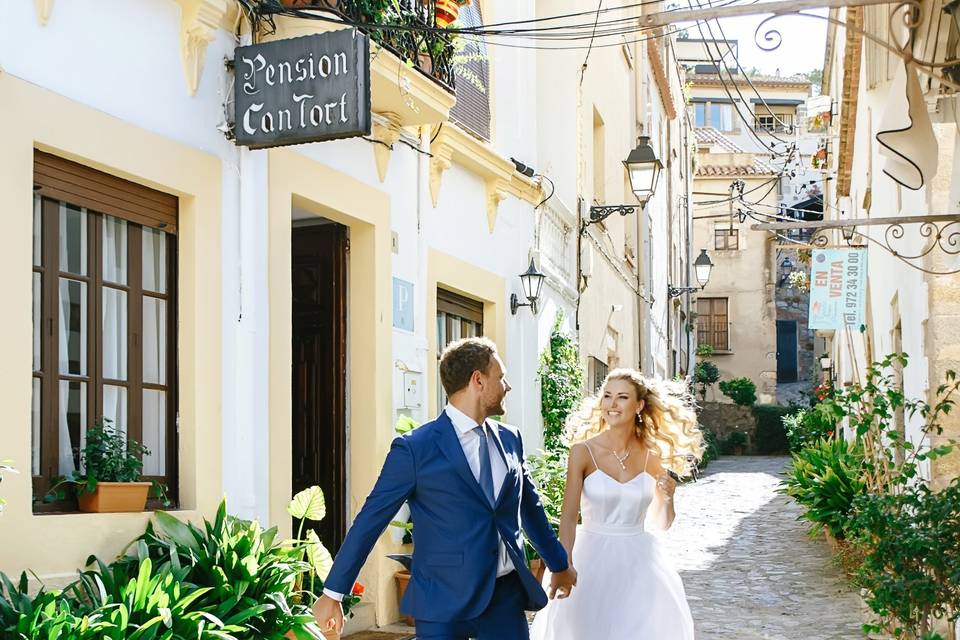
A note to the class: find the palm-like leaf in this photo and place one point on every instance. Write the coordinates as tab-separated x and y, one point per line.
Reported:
318	556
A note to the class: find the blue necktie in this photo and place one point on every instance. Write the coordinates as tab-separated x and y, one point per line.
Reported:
486	470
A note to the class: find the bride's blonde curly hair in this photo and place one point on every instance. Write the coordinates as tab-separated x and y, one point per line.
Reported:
667	424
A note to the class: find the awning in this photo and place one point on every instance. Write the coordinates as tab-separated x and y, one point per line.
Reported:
905	134
809	209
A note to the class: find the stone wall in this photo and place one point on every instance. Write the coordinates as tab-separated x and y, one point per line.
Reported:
723	418
794	304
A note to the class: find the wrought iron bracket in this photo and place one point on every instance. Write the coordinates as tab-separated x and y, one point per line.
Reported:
676	292
599	213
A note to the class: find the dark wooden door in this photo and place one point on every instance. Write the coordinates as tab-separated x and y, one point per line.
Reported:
786	350
319	364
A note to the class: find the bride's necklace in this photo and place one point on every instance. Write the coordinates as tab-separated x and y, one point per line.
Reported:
621	459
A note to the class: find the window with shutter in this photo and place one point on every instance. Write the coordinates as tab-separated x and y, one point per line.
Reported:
472	71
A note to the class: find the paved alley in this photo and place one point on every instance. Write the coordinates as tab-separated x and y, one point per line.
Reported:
749	569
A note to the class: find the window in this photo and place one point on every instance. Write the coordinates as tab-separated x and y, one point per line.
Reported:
104	318
457	317
780	123
700	114
472	108
599	371
713	323
726	238
721	116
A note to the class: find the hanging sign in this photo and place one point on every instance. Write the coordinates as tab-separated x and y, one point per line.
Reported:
305	89
838	291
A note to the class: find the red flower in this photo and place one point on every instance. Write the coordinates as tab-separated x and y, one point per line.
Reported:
358	589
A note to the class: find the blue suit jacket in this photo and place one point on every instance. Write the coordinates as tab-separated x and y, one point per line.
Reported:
455	527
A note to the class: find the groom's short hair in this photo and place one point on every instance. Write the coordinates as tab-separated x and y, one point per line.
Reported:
461	358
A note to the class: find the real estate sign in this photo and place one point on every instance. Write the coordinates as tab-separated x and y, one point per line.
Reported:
838	279
304	89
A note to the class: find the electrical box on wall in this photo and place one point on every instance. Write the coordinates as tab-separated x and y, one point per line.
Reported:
412	389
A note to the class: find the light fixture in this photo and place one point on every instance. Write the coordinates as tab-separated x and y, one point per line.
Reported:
522	168
826	362
702	267
787	264
643	169
848	232
532	281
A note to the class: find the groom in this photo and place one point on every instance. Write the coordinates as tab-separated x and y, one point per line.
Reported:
469	494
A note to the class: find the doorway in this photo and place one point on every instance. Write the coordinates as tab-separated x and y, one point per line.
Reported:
786	350
319	293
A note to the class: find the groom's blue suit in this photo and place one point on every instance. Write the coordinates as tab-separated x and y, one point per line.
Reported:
456	528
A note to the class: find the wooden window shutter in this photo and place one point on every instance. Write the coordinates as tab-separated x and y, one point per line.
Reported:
61	179
472	109
461	306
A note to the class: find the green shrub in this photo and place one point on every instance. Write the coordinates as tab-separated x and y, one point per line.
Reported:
561	384
705	373
741	390
911	570
549	472
808	426
825	479
771	436
711	448
733	441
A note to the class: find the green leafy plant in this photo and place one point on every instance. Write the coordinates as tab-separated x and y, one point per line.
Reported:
825	479
711	448
807	426
405	424
549	472
771	435
741	390
911	574
561	384
108	455
734	440
705	373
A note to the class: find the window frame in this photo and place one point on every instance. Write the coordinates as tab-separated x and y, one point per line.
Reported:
598	373
48	204
731	239
452	307
711	324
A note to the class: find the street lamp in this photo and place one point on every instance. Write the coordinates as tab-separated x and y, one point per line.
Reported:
702	267
532	281
643	169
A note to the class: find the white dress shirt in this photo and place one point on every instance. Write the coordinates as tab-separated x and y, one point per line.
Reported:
470	441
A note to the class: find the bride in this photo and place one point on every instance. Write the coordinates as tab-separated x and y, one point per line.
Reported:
627	589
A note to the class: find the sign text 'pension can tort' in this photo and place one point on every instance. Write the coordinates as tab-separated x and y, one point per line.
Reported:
305	89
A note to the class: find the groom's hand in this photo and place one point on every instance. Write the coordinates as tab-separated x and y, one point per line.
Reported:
329	614
561	584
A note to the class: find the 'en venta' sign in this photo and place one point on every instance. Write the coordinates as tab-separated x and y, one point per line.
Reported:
303	89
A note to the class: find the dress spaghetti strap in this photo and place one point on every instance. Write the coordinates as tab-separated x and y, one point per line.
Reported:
590	451
647	459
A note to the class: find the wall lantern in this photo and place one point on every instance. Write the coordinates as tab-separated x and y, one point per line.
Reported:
826	363
702	267
532	281
848	232
643	169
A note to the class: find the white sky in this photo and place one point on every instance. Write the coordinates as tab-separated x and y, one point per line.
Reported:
801	50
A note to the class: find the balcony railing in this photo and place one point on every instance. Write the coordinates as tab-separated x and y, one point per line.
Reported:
431	52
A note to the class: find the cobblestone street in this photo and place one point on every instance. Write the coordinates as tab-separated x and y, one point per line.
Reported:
749	569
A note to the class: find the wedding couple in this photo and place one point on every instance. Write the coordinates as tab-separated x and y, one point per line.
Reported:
469	492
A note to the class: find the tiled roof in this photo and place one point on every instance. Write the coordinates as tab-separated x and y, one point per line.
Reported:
766	81
711	136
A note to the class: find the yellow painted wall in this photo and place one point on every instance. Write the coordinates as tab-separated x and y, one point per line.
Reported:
54	546
296	181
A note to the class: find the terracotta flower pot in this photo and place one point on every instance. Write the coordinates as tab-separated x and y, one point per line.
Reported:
403	578
446	12
537	568
115	497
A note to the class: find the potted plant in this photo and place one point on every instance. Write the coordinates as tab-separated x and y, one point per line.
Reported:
111	465
736	443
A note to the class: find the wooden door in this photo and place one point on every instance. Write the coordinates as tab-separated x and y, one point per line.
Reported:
319	268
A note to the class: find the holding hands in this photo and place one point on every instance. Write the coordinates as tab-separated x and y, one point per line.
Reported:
562	583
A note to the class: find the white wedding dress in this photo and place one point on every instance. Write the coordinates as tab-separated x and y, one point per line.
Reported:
627	588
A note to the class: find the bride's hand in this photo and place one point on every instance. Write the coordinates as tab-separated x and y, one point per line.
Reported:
666	485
